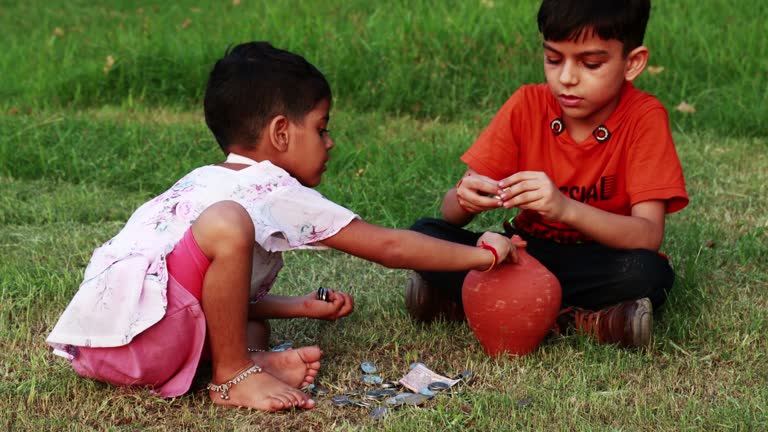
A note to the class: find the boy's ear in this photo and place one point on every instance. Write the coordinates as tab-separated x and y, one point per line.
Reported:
637	59
278	133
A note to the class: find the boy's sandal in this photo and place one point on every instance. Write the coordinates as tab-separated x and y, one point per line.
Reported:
224	388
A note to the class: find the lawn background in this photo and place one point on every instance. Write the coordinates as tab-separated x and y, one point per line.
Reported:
100	110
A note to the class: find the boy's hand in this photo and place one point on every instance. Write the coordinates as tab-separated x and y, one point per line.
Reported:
473	191
503	245
339	305
533	190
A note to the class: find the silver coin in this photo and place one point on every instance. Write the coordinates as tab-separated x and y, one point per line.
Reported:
394	402
398	400
368	367
438	386
373	395
403	396
465	375
372	379
414	364
426	392
361	403
416	399
389	384
387	392
318	390
323	294
379	412
340	400
283	346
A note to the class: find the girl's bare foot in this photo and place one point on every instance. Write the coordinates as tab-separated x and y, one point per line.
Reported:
263	392
296	367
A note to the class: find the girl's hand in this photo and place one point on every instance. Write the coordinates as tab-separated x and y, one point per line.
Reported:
533	190
340	305
503	245
473	191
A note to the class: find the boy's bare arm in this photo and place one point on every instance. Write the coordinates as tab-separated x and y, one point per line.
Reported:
643	229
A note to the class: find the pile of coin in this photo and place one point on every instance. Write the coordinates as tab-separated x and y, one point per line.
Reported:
387	395
323	294
283	346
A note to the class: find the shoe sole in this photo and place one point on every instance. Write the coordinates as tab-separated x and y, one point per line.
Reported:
414	297
424	304
642	324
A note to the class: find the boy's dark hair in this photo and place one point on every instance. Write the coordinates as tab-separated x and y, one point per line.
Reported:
624	20
252	84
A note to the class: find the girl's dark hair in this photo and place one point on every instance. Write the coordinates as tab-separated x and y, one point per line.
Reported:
624	20
253	83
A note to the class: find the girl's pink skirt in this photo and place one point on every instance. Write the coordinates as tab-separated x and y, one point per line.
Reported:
165	356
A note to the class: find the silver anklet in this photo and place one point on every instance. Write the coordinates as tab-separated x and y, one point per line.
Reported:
224	388
254	350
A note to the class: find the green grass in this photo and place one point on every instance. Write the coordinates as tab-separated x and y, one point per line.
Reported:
80	149
424	58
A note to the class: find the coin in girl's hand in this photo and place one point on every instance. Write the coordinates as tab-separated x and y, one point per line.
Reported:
323	294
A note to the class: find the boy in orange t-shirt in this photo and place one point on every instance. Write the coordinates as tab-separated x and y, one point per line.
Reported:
589	162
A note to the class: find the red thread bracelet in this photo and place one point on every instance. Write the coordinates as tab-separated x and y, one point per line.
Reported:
486	246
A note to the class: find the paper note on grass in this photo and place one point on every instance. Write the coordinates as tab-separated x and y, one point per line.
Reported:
420	376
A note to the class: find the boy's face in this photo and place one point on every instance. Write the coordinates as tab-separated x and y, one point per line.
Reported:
586	77
310	146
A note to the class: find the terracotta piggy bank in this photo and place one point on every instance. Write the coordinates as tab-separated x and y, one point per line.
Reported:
513	307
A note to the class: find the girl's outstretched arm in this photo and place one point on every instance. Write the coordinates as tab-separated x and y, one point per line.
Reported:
340	304
396	248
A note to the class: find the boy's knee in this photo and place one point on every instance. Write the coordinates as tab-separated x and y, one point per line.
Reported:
649	274
224	223
427	225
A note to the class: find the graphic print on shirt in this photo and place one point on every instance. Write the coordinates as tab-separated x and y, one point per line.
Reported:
603	190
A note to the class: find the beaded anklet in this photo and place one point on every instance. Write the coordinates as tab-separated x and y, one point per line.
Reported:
224	388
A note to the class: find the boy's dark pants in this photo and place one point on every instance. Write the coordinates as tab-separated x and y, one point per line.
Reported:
592	276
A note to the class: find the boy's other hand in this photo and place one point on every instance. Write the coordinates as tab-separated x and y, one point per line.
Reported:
503	245
339	305
473	192
533	190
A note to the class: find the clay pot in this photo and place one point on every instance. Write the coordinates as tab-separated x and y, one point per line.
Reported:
512	308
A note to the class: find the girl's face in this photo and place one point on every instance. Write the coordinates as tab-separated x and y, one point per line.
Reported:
310	145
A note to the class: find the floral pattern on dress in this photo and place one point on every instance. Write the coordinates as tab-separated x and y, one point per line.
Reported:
125	283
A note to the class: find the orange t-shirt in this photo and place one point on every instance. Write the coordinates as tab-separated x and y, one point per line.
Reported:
629	159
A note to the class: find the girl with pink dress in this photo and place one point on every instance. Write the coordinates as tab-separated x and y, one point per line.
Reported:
188	277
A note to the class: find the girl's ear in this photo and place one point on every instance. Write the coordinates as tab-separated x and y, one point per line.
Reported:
278	133
637	59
